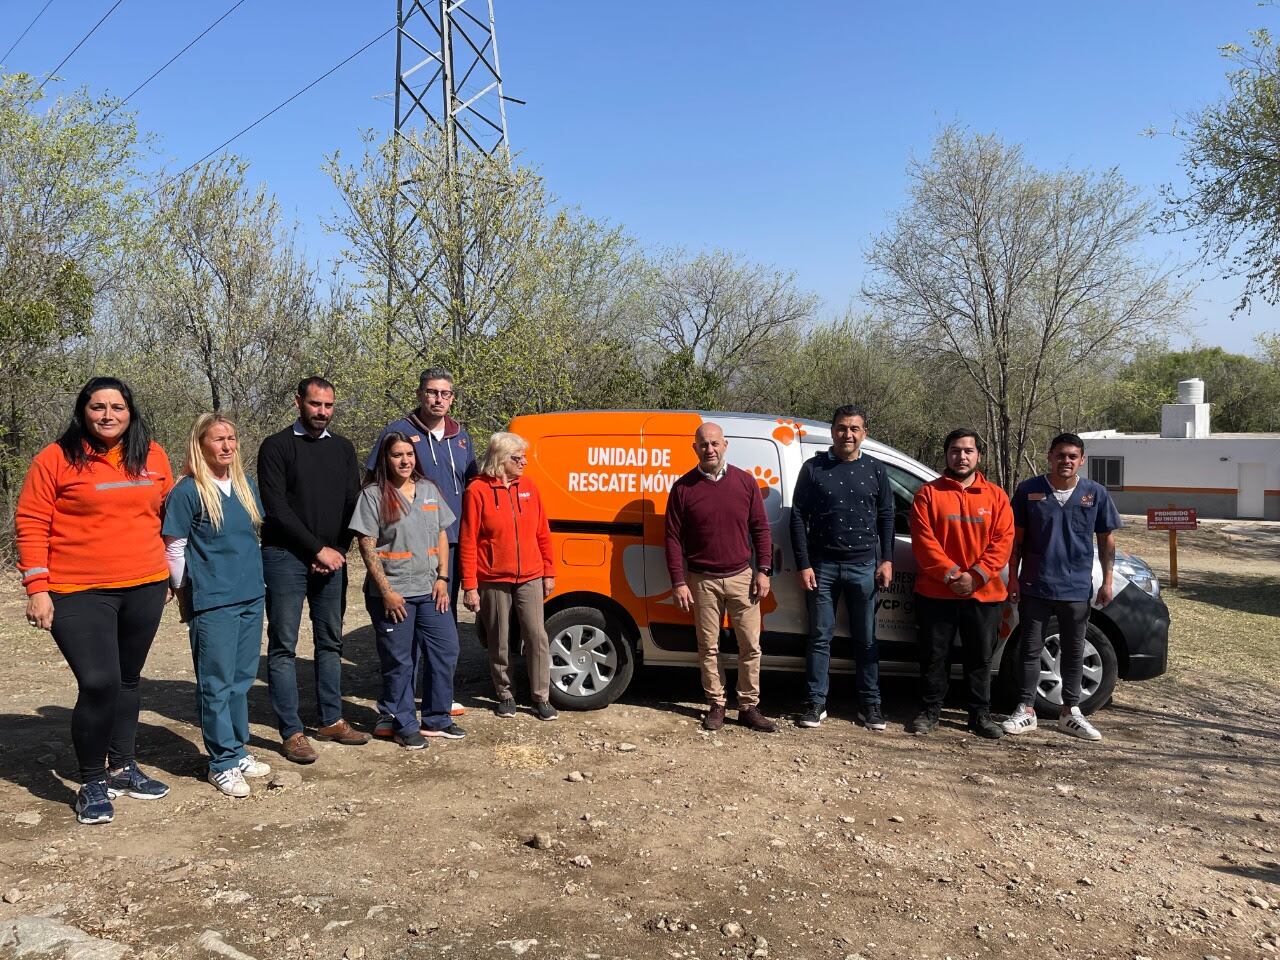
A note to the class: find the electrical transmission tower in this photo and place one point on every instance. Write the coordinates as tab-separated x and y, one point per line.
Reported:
447	73
449	82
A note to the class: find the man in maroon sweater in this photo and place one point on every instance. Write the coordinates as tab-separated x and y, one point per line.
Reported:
715	523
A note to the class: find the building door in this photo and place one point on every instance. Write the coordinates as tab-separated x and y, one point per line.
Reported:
1250	500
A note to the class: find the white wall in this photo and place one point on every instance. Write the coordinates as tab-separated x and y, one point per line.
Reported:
1192	464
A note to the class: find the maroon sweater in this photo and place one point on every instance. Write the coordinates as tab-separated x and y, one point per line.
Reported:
712	526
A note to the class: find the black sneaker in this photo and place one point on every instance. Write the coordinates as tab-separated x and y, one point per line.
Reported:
983	726
924	722
545	711
871	717
451	732
130	781
506	709
411	741
812	716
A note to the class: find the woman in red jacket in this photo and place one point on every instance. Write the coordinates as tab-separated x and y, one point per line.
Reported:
94	569
504	552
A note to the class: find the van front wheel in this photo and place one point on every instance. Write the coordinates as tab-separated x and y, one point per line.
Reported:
591	659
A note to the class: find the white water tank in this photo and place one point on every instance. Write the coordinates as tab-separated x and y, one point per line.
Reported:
1191	391
1189	417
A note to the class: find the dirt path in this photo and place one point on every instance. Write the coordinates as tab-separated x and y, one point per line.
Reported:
1163	841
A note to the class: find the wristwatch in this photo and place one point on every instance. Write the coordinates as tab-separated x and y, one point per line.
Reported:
767	571
441	576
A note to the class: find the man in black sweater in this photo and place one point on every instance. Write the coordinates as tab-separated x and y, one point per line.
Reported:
309	481
842	535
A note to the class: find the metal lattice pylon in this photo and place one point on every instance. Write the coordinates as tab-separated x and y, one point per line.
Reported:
448	79
447	73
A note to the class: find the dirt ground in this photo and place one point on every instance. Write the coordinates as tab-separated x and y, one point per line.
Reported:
656	839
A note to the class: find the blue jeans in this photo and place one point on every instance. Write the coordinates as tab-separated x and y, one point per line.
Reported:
225	643
856	583
425	639
290	581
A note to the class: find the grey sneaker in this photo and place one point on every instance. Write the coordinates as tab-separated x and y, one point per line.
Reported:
545	711
506	709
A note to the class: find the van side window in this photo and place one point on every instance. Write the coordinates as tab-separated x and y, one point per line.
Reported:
904	486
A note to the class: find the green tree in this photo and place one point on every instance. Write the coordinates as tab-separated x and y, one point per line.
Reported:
1244	391
69	215
223	303
1016	278
1232	167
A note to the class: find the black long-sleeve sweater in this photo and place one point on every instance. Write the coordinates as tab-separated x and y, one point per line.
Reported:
842	510
309	488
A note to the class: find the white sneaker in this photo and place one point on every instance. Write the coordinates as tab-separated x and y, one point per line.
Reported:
251	766
231	782
1075	724
1022	720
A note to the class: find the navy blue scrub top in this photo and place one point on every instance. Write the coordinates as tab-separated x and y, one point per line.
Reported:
1057	539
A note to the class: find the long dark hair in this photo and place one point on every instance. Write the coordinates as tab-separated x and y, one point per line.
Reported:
392	504
135	445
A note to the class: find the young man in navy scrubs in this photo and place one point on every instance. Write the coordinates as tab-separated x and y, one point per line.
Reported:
1056	518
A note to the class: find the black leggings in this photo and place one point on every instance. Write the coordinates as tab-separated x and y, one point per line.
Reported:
105	636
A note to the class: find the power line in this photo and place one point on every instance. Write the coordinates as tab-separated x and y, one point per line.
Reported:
169	62
91	32
284	103
14	46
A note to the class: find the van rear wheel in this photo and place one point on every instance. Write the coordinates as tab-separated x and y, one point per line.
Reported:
591	659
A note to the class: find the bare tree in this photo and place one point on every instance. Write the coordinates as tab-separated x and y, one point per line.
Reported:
723	312
1019	276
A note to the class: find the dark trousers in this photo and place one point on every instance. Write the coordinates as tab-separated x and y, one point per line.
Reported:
289	582
939	622
1034	614
425	641
225	644
105	636
856	584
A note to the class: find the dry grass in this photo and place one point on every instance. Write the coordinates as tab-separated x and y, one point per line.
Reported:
1225	611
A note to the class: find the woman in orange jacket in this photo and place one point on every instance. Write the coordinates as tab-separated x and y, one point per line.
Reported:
504	553
93	565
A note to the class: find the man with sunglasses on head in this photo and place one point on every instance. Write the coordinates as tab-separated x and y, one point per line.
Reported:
444	451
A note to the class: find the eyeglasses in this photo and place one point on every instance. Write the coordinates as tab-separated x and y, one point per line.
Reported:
518	458
442	394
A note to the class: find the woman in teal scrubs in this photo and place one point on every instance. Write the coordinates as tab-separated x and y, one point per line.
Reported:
211	539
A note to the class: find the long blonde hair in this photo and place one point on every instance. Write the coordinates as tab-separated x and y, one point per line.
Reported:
197	468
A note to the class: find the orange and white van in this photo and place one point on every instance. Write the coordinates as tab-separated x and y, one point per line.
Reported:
604	477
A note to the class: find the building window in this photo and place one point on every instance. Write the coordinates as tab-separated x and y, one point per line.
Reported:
1108	471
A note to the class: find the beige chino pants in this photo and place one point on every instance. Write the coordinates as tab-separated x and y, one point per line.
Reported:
713	597
497	600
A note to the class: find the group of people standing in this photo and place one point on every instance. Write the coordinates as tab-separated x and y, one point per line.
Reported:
965	530
106	538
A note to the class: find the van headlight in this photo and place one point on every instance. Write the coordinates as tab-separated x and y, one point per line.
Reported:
1138	573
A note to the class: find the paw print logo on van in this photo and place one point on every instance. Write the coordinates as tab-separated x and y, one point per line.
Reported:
765	478
788	430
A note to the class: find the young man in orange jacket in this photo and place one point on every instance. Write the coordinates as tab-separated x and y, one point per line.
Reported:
961	535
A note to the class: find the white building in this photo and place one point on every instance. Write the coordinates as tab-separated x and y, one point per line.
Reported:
1231	475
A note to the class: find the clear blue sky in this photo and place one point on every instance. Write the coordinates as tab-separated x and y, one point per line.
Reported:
780	131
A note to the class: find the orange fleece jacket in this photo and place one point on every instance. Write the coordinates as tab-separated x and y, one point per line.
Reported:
92	528
504	536
956	529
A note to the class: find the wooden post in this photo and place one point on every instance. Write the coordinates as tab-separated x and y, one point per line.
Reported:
1173	558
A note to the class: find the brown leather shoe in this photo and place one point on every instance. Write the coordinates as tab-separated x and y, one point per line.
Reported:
714	719
299	749
343	733
753	719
